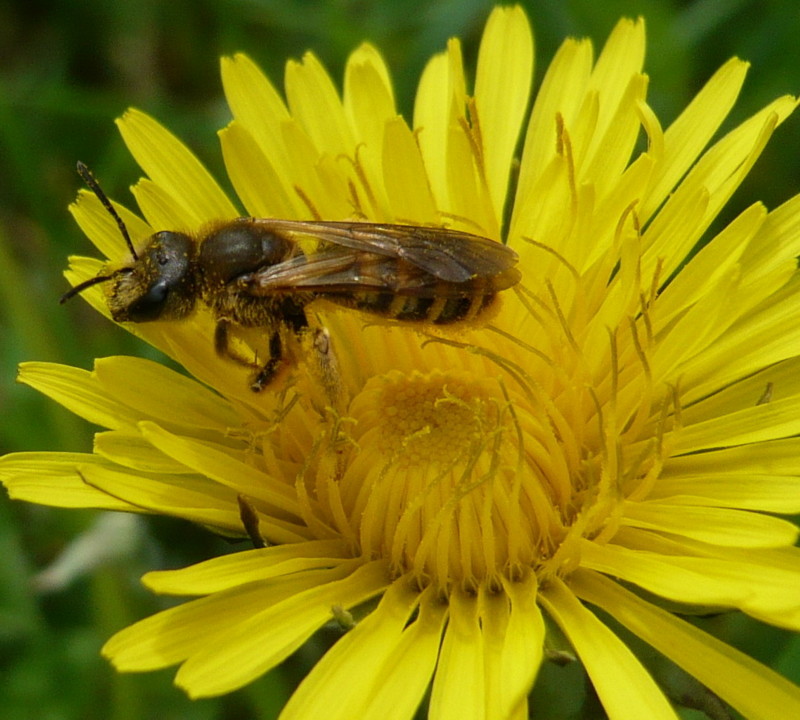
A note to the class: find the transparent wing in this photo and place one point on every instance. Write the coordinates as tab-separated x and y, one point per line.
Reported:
449	255
342	271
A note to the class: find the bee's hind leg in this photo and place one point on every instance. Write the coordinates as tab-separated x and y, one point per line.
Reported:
269	369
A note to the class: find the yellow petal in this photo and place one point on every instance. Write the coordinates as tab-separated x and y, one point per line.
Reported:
171	636
405	179
699	581
623	684
344	681
368	93
777	243
768	493
163	211
778	382
268	636
439	105
78	391
610	152
229	571
131	450
140	384
191	497
751	688
315	104
754	342
711	524
459	688
622	58
170	164
54	479
561	93
369	106
258	107
467	191
719	172
760	581
686	137
715	260
405	677
259	186
768	421
514	646
81	269
101	228
502	89
221	466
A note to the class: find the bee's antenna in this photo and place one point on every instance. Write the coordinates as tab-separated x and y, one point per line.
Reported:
94	186
80	287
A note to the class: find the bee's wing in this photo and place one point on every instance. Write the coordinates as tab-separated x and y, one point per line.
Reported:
449	255
341	271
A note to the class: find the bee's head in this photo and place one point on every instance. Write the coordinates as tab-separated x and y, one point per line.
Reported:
157	285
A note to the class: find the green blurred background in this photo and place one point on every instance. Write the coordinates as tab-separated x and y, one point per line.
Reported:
67	69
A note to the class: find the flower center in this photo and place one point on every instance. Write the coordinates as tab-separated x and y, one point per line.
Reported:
430	421
439	476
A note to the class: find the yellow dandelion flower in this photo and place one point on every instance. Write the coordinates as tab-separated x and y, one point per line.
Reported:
619	434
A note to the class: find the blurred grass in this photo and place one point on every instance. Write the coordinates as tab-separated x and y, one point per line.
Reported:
66	71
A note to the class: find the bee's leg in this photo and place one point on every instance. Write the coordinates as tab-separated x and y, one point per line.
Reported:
323	363
292	313
221	337
264	372
223	347
268	370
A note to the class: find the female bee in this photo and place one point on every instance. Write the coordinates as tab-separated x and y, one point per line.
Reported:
253	273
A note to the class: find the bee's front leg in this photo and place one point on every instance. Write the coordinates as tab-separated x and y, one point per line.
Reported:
265	372
222	343
221	338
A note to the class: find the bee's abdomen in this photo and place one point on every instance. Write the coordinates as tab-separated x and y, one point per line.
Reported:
401	290
440	310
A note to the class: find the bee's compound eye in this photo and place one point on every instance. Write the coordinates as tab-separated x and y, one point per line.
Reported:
150	305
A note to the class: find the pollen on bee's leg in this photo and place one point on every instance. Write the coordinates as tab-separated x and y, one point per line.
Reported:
323	369
223	345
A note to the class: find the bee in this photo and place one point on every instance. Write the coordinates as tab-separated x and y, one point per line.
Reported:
261	273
